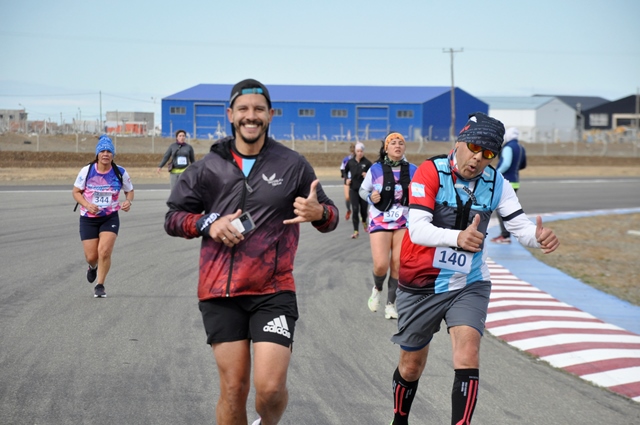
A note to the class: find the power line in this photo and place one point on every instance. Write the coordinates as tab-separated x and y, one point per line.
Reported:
48	95
187	43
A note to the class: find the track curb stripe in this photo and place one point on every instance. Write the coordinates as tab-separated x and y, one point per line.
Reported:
562	335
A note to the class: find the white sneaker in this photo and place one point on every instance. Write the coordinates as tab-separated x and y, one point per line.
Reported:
256	422
374	300
390	311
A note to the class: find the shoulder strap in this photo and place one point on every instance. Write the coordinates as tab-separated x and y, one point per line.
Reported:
388	189
85	179
405	180
116	170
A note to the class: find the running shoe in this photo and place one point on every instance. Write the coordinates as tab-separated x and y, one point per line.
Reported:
365	227
390	311
355	235
257	422
501	240
99	291
92	273
348	216
374	300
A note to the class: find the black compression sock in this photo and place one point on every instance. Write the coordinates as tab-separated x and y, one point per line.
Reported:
464	396
393	285
379	281
403	394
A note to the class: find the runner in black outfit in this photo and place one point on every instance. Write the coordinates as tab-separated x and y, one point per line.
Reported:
357	167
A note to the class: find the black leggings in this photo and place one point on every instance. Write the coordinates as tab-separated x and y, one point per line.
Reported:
359	207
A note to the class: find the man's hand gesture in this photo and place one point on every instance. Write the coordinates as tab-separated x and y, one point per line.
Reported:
546	238
471	238
307	209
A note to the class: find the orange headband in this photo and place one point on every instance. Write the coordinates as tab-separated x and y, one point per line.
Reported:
392	136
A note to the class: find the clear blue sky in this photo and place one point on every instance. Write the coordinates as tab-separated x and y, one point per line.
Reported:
58	55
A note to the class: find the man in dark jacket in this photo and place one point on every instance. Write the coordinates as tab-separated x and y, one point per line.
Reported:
513	158
357	168
181	155
246	287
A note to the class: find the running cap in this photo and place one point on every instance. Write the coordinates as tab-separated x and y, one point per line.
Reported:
484	131
249	86
105	144
360	146
512	133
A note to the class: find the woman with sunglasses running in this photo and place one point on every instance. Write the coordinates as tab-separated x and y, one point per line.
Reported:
386	189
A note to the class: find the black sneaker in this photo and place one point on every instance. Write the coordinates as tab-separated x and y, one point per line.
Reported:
99	291
92	273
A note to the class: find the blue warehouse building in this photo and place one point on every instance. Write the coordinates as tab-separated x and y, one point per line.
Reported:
331	113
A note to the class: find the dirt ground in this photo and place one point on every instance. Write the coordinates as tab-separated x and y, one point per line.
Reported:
608	261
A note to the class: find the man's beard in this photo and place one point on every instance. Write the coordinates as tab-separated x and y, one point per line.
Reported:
253	140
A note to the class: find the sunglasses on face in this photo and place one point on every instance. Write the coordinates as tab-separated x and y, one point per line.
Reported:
486	153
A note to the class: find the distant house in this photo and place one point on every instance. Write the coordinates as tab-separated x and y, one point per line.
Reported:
579	103
538	118
611	115
327	112
14	120
133	123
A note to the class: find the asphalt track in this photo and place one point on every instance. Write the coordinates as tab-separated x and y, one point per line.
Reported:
139	356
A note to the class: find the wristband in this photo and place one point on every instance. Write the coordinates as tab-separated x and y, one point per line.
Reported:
324	219
204	223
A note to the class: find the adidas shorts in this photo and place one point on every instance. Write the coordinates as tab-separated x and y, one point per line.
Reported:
90	227
420	315
262	318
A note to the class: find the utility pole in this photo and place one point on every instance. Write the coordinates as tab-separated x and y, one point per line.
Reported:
637	141
153	125
452	129
101	126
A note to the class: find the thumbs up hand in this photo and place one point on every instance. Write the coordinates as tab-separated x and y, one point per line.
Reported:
307	209
471	238
546	238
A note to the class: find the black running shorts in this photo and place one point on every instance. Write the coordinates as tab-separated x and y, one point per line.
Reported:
90	227
262	318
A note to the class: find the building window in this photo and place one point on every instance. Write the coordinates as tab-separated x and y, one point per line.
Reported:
306	112
339	113
178	110
404	114
277	112
599	120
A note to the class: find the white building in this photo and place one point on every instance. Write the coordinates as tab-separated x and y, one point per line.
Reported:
538	118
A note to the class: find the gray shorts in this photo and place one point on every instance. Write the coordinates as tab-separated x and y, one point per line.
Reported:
420	315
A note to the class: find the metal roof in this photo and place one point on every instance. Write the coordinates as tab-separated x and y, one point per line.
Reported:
334	94
586	102
517	102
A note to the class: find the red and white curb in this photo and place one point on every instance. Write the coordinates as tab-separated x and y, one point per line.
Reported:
562	335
